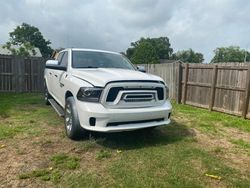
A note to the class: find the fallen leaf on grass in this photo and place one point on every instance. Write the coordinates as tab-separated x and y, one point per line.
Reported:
50	168
213	176
118	151
2	146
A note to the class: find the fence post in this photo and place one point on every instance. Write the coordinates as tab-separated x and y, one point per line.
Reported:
247	92
179	87
213	87
185	83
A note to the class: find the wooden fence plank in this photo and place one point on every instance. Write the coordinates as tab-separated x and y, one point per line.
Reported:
246	101
213	88
179	84
185	83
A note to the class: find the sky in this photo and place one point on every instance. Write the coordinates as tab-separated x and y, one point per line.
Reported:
114	24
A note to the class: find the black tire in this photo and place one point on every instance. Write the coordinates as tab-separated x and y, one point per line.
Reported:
47	96
71	121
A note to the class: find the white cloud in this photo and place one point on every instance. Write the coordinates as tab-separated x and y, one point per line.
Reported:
113	24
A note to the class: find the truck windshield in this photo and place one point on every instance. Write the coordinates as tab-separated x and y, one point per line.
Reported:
93	59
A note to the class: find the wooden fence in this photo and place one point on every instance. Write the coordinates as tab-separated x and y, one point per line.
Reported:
219	87
21	74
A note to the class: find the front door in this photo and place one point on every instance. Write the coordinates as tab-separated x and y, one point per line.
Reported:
59	80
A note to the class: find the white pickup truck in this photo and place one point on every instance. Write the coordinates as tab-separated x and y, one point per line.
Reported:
102	91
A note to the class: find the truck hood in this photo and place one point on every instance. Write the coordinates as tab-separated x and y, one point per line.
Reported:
101	76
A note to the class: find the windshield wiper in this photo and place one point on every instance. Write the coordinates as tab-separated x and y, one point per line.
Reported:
90	67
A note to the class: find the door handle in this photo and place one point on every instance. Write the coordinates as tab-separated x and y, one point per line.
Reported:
55	75
50	73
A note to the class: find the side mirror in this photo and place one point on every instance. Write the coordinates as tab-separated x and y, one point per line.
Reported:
52	62
141	68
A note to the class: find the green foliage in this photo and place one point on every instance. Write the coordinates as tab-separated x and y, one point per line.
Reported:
149	50
144	54
230	54
25	50
188	56
28	37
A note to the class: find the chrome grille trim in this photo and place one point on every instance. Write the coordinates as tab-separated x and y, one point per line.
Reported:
138	97
133	95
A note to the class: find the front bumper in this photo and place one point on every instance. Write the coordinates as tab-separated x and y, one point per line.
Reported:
103	116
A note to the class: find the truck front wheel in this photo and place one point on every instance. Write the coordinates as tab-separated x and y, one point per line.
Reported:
72	125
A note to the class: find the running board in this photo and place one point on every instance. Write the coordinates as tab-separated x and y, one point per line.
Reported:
59	110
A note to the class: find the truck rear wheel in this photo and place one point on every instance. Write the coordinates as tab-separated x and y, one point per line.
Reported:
72	125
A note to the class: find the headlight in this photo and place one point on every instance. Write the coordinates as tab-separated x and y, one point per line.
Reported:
167	92
89	94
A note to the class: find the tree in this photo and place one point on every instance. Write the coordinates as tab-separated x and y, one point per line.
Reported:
145	54
188	56
27	37
25	50
230	54
151	48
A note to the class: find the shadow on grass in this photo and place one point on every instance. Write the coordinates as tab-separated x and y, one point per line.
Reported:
144	138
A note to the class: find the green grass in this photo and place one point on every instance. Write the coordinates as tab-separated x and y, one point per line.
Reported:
58	164
43	173
209	120
63	161
169	156
242	143
23	114
103	154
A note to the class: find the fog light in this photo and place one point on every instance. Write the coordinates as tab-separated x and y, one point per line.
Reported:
92	121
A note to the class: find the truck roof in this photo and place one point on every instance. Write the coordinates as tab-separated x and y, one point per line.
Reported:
90	50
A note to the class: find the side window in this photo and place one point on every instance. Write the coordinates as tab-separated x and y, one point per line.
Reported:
64	61
59	58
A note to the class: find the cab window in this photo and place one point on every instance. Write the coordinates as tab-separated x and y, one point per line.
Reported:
64	61
59	57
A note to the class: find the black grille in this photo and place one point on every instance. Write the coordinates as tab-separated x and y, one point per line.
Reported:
133	122
139	96
113	92
160	93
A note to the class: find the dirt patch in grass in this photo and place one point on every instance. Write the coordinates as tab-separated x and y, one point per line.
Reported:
26	161
220	143
19	158
236	134
224	149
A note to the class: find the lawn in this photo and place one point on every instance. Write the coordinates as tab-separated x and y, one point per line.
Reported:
199	149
